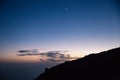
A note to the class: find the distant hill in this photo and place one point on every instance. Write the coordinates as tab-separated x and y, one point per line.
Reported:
101	66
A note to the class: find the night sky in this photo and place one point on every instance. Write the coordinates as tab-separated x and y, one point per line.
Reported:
78	26
35	34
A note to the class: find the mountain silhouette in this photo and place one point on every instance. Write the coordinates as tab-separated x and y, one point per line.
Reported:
101	66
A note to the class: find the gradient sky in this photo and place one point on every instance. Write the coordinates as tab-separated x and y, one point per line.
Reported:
78	26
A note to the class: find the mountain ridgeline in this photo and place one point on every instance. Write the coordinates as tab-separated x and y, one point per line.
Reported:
101	66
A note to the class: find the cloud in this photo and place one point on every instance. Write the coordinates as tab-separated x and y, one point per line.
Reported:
23	51
28	52
51	56
56	54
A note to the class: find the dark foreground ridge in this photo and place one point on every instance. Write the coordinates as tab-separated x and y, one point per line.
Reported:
101	66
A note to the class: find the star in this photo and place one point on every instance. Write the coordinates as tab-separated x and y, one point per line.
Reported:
66	9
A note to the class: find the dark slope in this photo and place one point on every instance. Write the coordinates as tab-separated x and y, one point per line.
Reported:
101	66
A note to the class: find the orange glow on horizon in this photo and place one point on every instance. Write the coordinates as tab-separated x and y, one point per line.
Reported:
15	58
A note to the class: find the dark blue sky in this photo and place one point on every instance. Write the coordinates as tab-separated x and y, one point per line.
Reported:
79	26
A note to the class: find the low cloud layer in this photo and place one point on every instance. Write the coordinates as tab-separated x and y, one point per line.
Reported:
51	56
27	52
